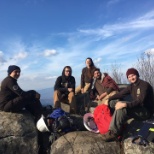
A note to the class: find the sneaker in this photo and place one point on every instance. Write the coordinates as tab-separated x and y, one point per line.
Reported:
109	136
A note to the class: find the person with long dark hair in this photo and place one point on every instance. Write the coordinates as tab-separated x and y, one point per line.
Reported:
86	77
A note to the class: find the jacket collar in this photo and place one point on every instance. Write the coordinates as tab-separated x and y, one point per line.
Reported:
137	82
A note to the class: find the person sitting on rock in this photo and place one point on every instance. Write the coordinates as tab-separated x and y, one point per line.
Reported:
14	99
86	77
139	108
64	89
103	86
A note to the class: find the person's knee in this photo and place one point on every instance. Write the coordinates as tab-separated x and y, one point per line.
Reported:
78	88
112	103
57	95
71	94
57	92
87	87
57	104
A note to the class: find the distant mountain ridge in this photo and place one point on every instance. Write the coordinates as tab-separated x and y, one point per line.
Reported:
46	96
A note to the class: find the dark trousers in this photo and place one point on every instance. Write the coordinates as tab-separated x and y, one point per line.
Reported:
34	106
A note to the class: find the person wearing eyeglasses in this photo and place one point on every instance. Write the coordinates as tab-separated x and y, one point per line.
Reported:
14	99
64	89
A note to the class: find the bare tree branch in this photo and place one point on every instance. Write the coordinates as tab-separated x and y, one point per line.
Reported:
145	66
117	75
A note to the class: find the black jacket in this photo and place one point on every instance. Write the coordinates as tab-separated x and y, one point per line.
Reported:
62	83
10	90
141	93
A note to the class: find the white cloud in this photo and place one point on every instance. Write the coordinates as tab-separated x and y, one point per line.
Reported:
2	60
20	55
150	51
144	22
49	52
51	77
111	2
97	60
148	15
100	32
29	77
35	83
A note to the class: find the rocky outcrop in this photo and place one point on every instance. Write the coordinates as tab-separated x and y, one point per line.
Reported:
83	142
18	134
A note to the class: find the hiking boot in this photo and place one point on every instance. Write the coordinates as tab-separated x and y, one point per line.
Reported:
109	136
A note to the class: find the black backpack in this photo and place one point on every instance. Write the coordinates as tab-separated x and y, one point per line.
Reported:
59	123
145	134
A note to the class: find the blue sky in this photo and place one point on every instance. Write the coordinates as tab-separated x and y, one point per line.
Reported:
43	36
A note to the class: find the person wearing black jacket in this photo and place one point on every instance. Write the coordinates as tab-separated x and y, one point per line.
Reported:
141	107
14	99
64	89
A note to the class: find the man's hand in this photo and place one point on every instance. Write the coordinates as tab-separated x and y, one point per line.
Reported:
106	102
102	95
120	105
70	89
97	97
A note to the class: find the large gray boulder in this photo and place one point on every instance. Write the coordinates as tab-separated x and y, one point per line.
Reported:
83	142
18	134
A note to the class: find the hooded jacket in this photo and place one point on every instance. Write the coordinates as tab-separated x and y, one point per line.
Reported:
63	82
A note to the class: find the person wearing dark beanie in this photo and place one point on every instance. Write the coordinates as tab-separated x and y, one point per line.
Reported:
14	99
11	68
132	71
140	107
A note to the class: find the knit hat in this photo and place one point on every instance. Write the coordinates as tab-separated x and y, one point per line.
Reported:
132	71
11	68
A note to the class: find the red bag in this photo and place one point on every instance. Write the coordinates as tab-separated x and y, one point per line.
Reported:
102	117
